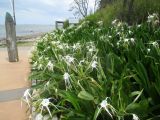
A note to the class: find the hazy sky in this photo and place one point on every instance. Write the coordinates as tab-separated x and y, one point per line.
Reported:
37	11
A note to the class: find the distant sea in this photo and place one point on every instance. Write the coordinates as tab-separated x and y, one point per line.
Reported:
22	30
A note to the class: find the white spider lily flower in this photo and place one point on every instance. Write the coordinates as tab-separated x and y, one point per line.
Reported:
91	50
27	96
69	59
118	43
94	64
150	18
50	66
148	50
66	78
139	25
114	22
135	117
107	107
153	18
102	37
48	47
55	42
47	84
155	44
45	103
100	23
104	105
76	46
40	66
110	36
119	24
47	58
118	33
39	117
130	32
132	40
60	46
126	40
98	30
156	22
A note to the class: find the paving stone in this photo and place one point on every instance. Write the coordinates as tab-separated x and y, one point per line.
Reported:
10	95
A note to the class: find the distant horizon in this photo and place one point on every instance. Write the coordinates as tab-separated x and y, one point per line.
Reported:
27	29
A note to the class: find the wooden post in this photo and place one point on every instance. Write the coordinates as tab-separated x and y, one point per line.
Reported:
11	38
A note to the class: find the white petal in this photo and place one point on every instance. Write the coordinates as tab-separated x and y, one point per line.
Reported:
66	76
45	102
104	103
135	117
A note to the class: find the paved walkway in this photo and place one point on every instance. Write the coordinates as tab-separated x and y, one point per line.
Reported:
13	83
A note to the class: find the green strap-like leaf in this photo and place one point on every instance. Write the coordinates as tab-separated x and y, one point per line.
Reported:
85	95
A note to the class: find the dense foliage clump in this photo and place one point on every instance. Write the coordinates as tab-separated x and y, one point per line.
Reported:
91	72
129	11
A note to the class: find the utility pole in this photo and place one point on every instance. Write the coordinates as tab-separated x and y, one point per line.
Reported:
14	17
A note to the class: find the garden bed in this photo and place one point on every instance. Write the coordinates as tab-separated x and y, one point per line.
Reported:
91	72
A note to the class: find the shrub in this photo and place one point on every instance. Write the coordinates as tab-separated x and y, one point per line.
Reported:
66	24
132	15
107	14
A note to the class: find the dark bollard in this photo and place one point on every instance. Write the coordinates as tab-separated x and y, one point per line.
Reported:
11	39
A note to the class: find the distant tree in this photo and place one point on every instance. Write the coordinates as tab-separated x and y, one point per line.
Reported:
81	7
128	6
103	3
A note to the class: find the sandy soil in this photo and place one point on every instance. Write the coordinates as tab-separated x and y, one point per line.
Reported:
13	111
14	75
